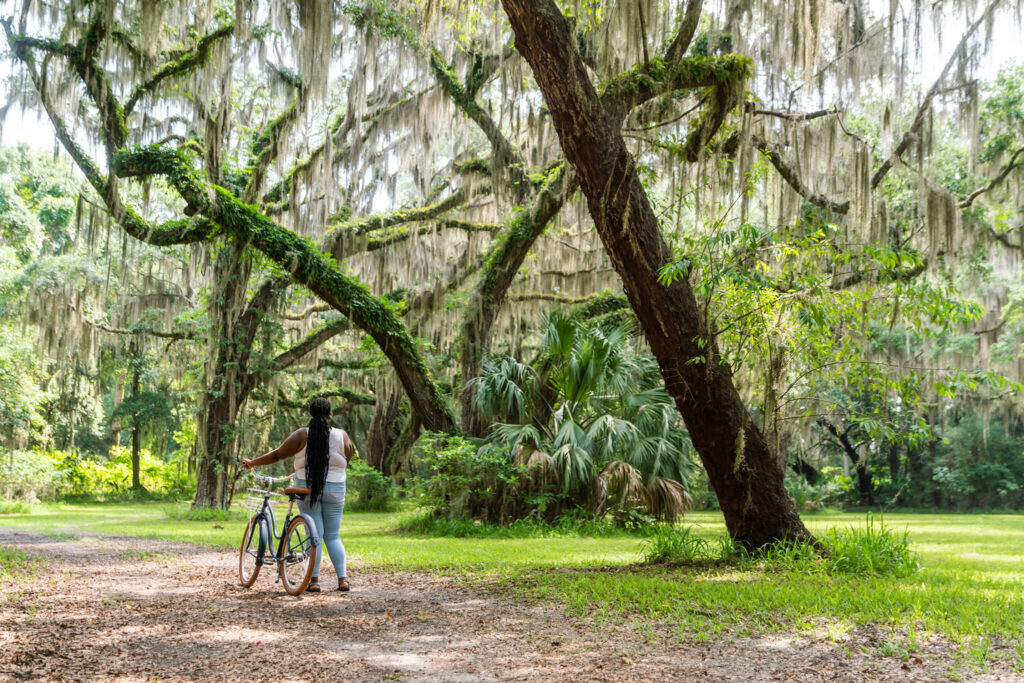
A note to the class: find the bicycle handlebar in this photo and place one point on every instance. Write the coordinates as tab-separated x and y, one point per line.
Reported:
268	480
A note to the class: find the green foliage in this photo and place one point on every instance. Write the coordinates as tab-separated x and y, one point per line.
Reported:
463	481
976	466
590	421
566	524
1003	114
373	491
48	475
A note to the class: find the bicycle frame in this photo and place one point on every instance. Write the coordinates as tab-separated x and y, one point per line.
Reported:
268	531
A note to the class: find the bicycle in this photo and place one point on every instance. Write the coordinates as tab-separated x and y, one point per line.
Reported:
296	546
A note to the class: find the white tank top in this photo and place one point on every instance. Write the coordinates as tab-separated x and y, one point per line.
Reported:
336	449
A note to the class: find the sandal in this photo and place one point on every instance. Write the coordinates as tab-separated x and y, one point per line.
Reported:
343	584
314	586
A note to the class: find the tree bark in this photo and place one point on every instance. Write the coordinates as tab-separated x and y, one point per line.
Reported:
225	387
384	429
744	473
862	473
136	427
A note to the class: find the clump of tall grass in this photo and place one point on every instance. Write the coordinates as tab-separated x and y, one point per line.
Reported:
873	549
673	545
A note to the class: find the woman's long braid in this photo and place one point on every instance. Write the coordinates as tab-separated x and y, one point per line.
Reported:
318	457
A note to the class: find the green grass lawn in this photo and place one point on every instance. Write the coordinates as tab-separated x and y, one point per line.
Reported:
970	589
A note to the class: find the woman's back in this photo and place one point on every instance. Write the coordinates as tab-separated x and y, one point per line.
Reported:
336	450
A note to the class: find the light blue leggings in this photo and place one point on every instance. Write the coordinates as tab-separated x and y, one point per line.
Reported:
327	515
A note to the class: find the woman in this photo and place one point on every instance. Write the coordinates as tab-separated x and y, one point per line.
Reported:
321	455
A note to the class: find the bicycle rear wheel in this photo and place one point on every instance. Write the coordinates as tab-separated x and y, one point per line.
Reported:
298	558
250	554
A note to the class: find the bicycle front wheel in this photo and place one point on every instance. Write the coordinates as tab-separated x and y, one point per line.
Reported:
250	555
298	558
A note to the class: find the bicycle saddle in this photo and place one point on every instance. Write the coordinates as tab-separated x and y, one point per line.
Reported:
296	491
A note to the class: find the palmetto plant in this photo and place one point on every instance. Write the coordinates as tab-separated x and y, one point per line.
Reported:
590	419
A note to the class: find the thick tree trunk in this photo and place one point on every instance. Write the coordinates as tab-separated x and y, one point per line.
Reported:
385	428
226	387
744	473
217	455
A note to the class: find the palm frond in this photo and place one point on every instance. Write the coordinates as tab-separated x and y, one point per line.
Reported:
667	499
624	481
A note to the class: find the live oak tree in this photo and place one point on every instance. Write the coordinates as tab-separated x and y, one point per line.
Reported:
675	118
742	468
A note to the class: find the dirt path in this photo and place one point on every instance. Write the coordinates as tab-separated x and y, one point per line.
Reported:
132	610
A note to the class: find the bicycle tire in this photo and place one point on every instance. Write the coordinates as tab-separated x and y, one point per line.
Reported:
250	550
297	557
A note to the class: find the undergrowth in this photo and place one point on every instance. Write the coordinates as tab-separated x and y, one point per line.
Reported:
426	524
15	564
14	507
874	549
190	514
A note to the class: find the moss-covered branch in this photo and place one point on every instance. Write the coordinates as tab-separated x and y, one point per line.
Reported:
266	147
344	239
658	77
312	340
183	64
307	264
1016	161
792	177
505	155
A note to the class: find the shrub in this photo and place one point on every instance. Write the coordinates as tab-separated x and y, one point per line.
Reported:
14	507
32	475
463	482
47	475
427	524
373	491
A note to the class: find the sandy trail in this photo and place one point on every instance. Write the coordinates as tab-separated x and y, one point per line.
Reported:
138	610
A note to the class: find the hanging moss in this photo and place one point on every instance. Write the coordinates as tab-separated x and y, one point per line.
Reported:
602	304
183	64
691	72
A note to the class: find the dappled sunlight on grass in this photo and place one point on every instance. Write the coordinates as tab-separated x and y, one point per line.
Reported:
969	586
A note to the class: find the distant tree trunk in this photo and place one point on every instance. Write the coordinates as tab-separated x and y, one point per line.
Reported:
894	460
745	474
115	424
136	417
385	428
861	470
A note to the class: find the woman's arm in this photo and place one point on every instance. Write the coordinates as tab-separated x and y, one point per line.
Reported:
350	448
292	445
